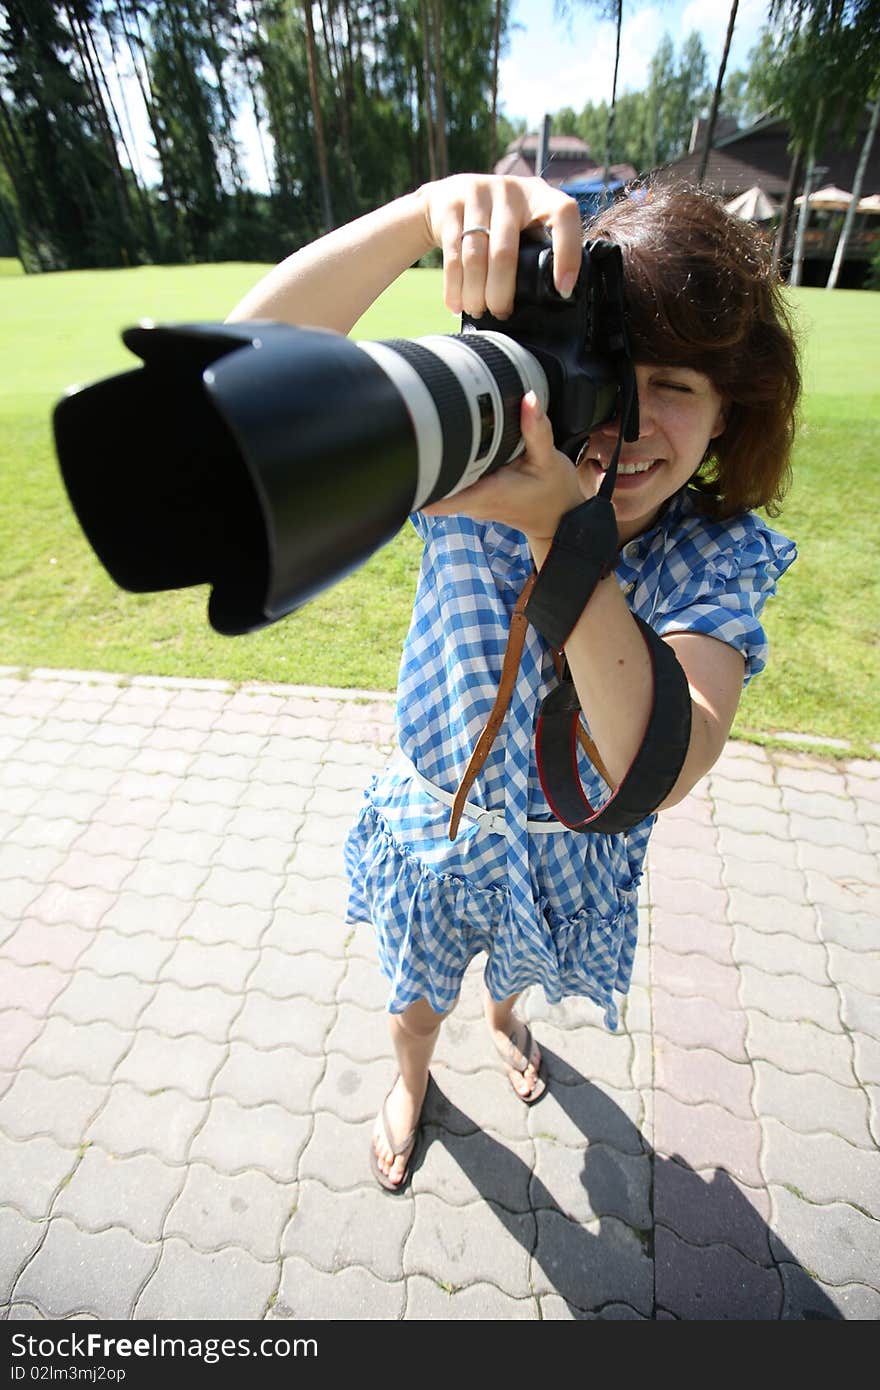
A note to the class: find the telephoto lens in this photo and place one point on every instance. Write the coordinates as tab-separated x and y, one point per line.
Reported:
269	461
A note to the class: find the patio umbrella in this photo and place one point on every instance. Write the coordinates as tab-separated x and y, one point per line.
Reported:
751	206
870	204
831	199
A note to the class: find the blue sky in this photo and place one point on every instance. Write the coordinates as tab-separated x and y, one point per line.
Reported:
552	63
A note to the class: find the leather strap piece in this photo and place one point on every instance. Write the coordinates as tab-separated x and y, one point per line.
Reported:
654	769
509	668
583	552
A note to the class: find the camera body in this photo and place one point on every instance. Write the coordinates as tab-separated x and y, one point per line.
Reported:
269	461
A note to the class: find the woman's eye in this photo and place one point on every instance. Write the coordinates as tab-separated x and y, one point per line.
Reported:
675	386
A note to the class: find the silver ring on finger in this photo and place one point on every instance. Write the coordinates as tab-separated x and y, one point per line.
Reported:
477	227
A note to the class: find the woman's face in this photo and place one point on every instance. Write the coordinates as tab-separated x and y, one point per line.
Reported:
679	412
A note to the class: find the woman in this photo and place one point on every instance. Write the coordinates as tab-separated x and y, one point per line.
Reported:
718	387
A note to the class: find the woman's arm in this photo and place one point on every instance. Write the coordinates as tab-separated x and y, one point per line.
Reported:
609	662
333	281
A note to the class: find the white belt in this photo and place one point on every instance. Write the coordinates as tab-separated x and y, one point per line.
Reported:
493	821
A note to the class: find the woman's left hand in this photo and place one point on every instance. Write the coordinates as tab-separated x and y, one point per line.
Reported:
532	493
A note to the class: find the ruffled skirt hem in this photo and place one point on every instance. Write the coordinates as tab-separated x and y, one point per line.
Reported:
430	925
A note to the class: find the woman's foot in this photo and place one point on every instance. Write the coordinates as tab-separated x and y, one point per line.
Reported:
520	1054
396	1128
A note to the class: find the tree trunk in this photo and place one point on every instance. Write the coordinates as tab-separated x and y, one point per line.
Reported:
609	129
716	97
781	238
846	229
797	263
429	89
493	127
442	155
320	145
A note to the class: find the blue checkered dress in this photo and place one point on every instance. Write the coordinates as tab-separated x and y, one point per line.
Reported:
557	910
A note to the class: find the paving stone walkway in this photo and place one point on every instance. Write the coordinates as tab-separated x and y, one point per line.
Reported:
193	1046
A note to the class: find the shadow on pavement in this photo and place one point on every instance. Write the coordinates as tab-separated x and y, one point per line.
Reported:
651	1234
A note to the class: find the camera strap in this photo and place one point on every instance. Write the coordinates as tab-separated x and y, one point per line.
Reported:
583	553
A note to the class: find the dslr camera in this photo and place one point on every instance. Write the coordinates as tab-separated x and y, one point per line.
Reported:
269	461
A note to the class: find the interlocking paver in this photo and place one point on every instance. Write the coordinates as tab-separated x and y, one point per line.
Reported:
701	1074
91	1050
790	884
700	1023
806	1298
268	1023
281	1076
482	1242
74	1271
240	924
18	1030
174	1010
197	1287
697	976
591	1265
811	1104
854	968
133	1122
712	1208
461	1169
30	987
853	930
92	998
428	1299
866	1059
264	1137
57	1106
800	1047
333	1230
554	1308
836	1243
39	943
845	894
306	1293
713	1282
705	1136
860	1011
19	1238
757	847
790	997
686	934
222	964
132	914
823	1167
33	1169
189	1063
296	971
110	953
247	1210
778	953
133	1194
599	1182
767	912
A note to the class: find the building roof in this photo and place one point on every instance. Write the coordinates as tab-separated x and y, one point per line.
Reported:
725	174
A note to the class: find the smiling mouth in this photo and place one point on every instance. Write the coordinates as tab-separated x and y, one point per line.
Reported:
630	470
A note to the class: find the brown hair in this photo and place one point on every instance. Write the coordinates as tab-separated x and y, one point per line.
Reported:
700	293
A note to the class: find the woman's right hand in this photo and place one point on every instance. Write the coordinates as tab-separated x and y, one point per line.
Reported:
479	271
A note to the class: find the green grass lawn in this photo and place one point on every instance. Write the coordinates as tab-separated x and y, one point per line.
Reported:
59	609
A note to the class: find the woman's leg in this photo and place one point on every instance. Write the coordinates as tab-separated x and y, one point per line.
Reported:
509	1036
414	1034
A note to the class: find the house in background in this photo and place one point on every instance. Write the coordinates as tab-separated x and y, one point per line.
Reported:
755	157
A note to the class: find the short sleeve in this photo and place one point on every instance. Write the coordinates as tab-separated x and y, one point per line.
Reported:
724	594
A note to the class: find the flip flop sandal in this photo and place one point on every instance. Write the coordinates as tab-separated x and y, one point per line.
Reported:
411	1142
507	1055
